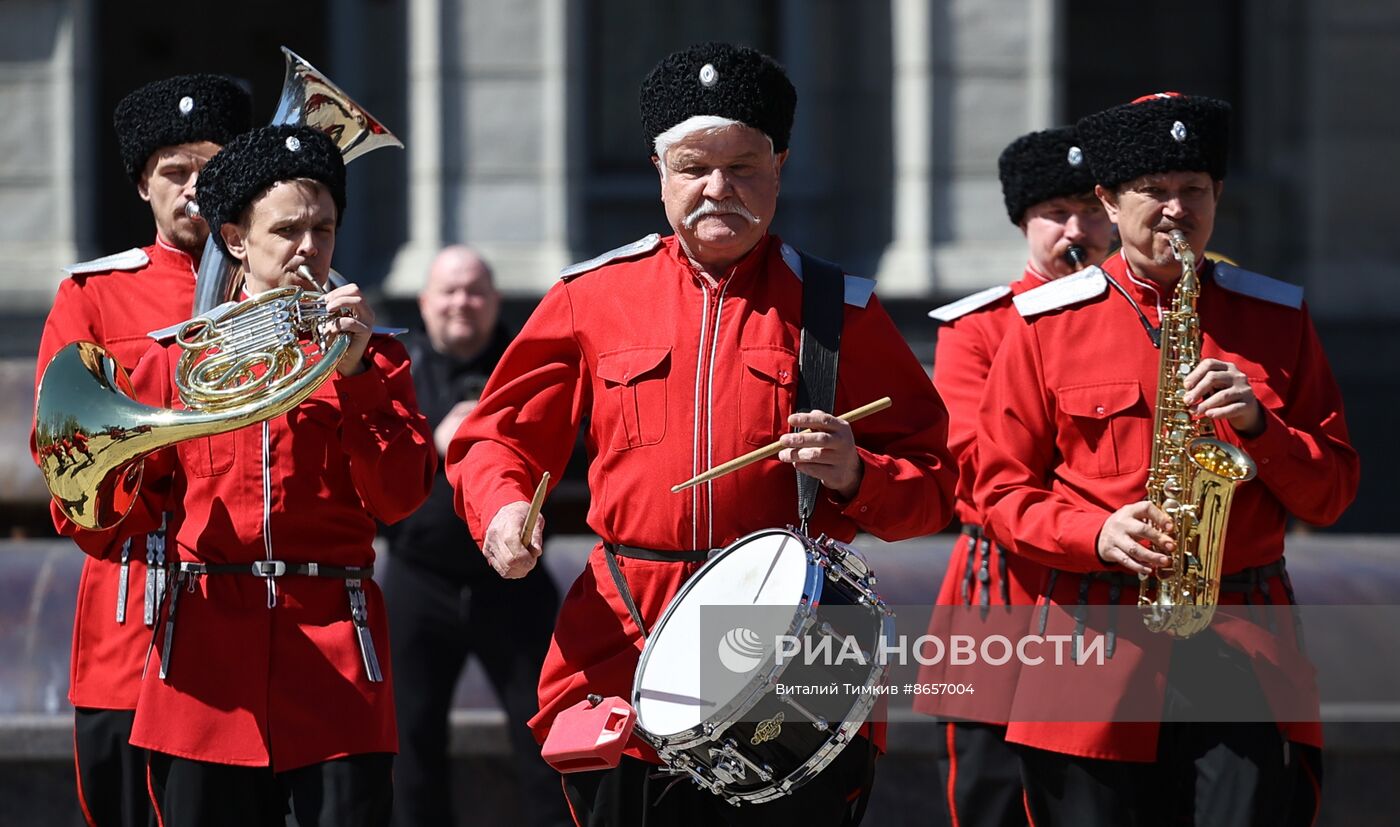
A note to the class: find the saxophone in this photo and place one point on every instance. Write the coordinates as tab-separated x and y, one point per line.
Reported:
1193	474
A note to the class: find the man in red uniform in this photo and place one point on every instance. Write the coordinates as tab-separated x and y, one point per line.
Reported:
270	679
1065	440
1049	195
167	130
682	352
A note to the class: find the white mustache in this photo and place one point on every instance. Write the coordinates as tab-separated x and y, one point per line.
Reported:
729	206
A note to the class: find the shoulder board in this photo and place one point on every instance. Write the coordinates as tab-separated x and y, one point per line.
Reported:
858	290
1245	283
1062	292
165	334
133	259
967	304
636	248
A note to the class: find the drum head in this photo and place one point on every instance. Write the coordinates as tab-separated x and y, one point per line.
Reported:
768	568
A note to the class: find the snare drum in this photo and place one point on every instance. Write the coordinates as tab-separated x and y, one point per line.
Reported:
759	742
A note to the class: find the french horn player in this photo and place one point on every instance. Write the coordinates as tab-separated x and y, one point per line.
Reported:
1090	411
268	677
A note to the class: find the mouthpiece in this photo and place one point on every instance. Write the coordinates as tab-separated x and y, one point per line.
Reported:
1075	256
192	209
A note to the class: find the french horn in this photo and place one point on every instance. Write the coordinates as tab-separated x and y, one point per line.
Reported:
243	364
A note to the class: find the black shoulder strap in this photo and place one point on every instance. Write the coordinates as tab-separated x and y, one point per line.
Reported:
823	309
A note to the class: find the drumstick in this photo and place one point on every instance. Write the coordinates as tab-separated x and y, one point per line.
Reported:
772	449
528	532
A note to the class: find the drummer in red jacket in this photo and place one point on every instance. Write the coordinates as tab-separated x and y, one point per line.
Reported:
682	352
1065	442
269	681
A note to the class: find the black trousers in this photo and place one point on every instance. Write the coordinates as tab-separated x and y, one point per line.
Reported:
435	624
111	772
1206	774
356	791
979	776
635	794
1211	774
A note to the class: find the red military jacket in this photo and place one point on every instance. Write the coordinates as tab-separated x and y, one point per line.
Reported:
978	573
1065	439
677	374
284	685
114	301
967	342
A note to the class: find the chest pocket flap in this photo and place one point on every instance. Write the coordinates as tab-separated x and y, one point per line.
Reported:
632	365
635	394
1099	401
1108	430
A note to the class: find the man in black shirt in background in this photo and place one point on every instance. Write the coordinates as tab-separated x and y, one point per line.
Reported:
444	601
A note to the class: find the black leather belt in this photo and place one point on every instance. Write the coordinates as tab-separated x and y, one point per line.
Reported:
270	570
1245	582
657	556
279	568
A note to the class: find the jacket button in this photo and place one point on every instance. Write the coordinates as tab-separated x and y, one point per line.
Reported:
1099	409
864	508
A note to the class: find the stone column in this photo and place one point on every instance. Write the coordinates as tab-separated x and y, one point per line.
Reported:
488	115
970	76
907	265
423	142
45	157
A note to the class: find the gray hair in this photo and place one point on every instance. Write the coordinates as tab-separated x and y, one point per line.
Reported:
694	125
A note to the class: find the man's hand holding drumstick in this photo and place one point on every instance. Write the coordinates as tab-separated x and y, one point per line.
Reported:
505	546
825	449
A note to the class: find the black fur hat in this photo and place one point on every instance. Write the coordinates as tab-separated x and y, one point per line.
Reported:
256	160
180	110
1165	132
1040	166
721	79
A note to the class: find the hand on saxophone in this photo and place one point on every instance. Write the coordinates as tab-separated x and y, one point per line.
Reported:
1124	532
358	322
1220	390
502	547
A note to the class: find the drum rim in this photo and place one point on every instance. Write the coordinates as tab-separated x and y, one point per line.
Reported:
754	687
820	758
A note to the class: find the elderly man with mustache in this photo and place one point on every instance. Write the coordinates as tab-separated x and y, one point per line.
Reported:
682	352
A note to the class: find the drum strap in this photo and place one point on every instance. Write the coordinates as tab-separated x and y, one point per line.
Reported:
612	551
610	555
823	312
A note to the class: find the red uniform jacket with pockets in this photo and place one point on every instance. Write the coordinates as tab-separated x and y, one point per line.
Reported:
676	374
114	301
284	685
1065	439
979	573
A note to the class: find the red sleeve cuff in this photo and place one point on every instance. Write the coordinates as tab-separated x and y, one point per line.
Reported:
879	471
365	391
1273	441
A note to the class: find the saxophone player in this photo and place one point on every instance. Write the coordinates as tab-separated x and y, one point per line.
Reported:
1065	443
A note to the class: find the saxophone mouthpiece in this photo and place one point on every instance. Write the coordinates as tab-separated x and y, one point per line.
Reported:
1075	256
